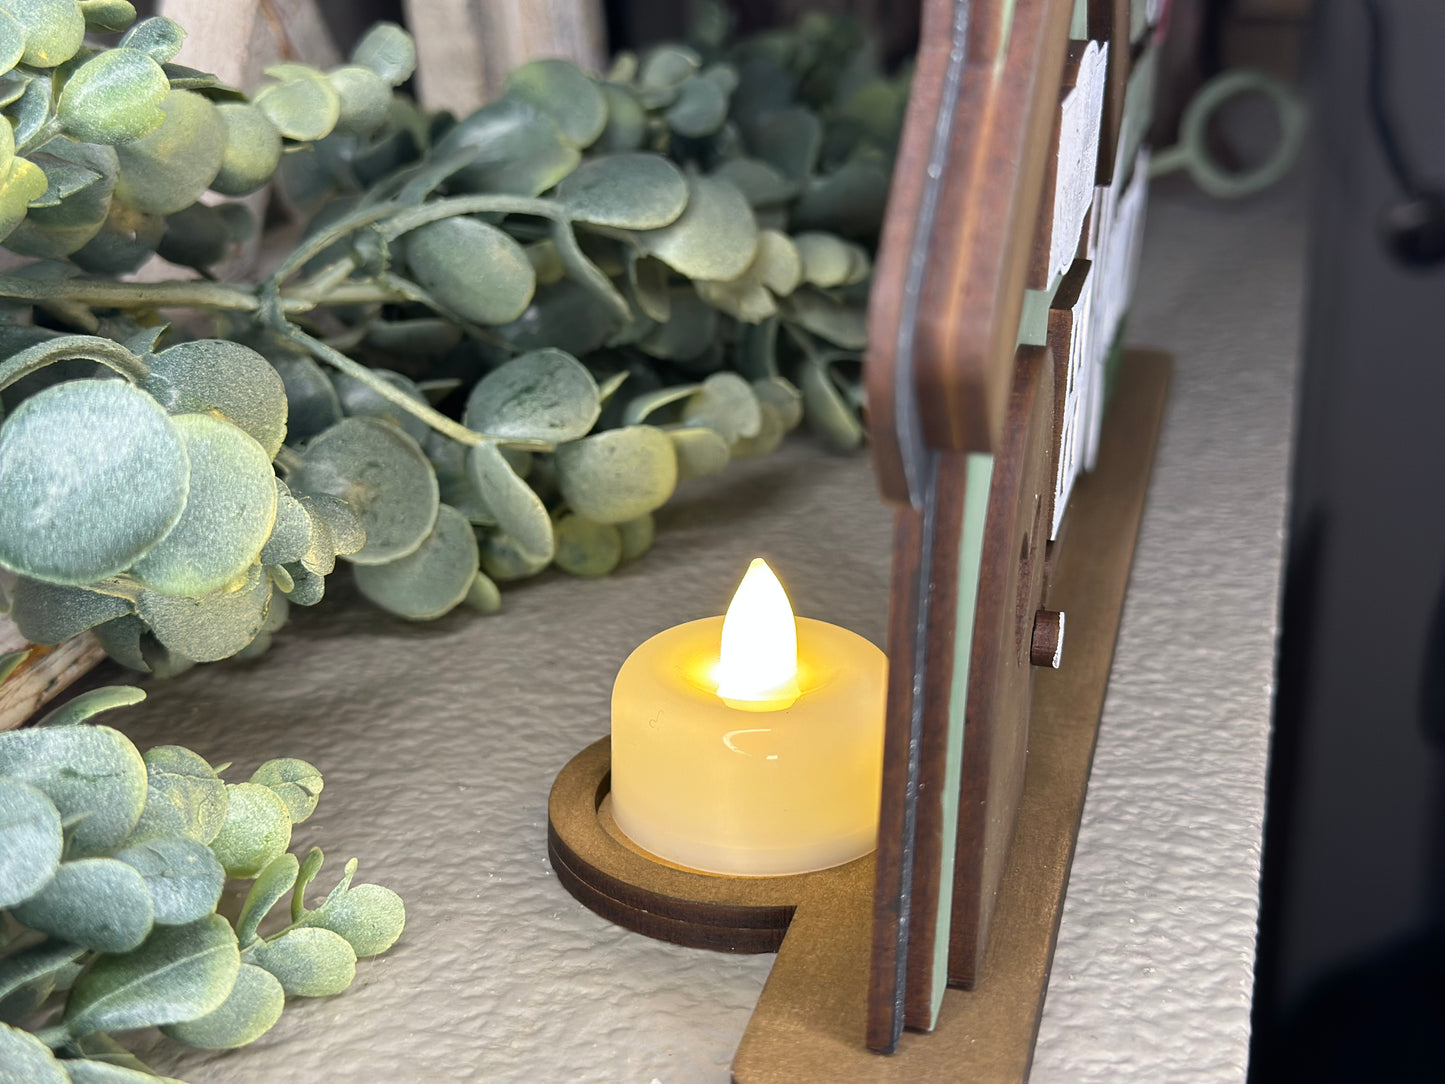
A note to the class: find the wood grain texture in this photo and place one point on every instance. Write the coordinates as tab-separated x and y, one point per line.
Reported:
927	99
813	1010
973	295
1000	674
44	675
466	48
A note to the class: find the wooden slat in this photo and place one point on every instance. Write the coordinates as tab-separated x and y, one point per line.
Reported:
44	675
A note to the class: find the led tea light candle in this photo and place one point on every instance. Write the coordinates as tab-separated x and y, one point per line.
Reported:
750	744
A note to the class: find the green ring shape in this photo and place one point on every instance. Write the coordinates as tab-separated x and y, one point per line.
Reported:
69	517
1191	153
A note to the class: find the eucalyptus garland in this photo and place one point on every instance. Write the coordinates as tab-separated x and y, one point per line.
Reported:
498	345
111	868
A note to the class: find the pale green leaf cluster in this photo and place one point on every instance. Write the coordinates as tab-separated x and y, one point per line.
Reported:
111	867
501	345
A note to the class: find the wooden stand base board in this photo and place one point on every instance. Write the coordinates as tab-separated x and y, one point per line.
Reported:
810	1020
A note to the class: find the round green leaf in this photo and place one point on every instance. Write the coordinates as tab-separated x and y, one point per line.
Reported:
690	330
290	538
617	475
383	475
93	774
309	961
107	16
786	399
184	796
546	394
335	530
849	201
626	128
252	149
788	138
100	903
51	614
700	452
369	917
54	29
82	708
167	170
483	595
716	236
563	91
637	536
59	230
75	511
179	974
630	191
126	239
502	559
197	236
24	1059
297	783
229	512
257	830
585	548
827	260
182	875
359	400
472	268
312	405
512	503
216	376
365	99
29	841
432	580
252	1009
300	103
727	404
12	46
210	627
843	325
22	182
114	97
827	412
762	184
664	70
779	264
507	146
389	51
121	639
699	110
157	37
744	298
769	435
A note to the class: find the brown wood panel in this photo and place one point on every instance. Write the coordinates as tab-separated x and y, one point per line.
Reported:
1000	678
988	213
811	1019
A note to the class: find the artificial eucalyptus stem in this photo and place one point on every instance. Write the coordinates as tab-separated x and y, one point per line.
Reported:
364	375
188	293
88	347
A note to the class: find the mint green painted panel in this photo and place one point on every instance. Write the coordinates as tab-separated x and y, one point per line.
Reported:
970	555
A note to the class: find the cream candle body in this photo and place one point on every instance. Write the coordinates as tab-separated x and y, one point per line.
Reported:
729	756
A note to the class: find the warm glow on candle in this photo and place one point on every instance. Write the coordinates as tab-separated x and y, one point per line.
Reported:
759	657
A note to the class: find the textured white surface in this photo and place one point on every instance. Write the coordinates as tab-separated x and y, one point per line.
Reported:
439	743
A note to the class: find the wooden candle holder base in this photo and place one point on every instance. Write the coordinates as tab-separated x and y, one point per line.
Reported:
810	1021
625	884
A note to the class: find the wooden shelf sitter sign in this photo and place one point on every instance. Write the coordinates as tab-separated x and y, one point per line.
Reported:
1007	259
